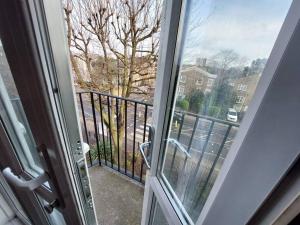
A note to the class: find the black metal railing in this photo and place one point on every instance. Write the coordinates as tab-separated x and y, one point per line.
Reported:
114	127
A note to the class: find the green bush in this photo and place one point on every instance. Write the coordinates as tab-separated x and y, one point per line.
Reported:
183	104
94	151
214	111
195	101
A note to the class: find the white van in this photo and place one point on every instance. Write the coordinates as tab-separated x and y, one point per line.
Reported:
232	115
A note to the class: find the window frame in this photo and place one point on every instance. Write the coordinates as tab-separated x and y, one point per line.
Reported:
270	96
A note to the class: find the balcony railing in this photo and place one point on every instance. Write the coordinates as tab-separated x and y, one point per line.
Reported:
114	127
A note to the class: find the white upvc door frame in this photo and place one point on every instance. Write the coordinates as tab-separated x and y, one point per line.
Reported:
171	14
267	142
33	36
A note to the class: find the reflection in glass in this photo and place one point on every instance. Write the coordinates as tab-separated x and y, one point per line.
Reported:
14	119
224	51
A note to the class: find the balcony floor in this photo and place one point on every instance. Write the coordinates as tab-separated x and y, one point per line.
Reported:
118	199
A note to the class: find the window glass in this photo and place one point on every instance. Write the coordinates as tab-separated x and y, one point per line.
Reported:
225	45
14	119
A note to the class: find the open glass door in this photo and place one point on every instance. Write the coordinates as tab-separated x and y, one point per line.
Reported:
215	57
42	153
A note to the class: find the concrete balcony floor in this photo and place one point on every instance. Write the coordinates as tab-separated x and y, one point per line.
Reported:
118	199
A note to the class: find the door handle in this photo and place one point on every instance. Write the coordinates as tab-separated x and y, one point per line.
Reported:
142	147
29	184
180	146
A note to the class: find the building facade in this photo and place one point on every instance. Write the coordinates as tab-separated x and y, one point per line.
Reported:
195	78
244	88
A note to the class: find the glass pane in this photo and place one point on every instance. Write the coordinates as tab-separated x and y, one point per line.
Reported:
14	120
224	50
13	117
158	218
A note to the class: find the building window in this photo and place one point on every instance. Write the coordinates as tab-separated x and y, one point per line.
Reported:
199	81
180	91
210	82
242	87
240	99
182	78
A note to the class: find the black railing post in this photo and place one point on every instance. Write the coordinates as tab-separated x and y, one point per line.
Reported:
109	124
85	129
175	149
102	128
134	131
95	126
213	165
192	179
118	134
193	134
125	137
144	138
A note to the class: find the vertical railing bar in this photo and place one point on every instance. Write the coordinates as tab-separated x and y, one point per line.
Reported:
203	149
188	150
125	137
144	138
102	128
193	134
96	130
214	163
118	134
134	131
178	137
85	129
107	135
109	124
192	179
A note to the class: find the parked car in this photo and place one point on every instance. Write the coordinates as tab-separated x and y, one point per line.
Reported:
232	115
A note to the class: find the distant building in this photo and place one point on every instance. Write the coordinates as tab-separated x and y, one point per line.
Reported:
201	62
195	78
244	88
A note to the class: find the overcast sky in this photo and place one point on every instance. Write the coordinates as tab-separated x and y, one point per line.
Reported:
249	27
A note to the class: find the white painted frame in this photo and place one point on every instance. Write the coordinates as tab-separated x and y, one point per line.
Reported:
279	146
52	112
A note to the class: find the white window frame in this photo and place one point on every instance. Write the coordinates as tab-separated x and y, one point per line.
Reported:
270	96
242	87
55	124
240	99
210	82
199	82
181	90
182	78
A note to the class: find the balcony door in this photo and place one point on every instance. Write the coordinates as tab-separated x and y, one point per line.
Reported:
226	109
42	153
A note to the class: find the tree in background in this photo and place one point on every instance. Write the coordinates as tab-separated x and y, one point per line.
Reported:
124	36
183	104
196	99
217	102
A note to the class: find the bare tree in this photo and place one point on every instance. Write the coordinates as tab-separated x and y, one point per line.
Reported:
225	58
68	8
125	35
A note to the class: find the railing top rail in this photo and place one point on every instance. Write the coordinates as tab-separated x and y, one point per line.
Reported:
117	97
209	118
151	105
